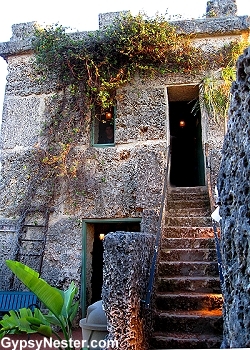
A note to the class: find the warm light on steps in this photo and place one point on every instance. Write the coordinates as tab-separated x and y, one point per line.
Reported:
188	297
183	231
193	313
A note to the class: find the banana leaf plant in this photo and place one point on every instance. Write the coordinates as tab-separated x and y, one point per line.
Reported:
61	306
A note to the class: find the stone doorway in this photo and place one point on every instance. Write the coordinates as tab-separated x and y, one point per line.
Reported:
187	159
92	267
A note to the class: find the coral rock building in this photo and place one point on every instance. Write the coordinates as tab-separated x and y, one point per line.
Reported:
119	181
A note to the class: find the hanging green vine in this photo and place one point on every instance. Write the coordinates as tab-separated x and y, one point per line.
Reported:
106	59
90	70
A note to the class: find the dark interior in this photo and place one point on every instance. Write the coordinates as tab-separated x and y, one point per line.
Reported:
97	253
187	161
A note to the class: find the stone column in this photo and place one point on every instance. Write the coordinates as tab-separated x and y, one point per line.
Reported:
127	258
221	8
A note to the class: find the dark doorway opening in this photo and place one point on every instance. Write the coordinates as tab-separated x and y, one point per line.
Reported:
187	160
101	229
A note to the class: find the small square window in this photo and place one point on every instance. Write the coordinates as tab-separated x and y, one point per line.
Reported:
103	127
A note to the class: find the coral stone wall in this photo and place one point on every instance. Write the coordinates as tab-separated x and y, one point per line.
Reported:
120	182
7	248
234	190
124	181
221	8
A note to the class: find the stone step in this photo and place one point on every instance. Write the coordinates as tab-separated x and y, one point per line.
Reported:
187	194
188	296
188	301
196	243
182	212
187	268
193	284
191	203
191	221
188	231
184	340
204	321
196	189
188	255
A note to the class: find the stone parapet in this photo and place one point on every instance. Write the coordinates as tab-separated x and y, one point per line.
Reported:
221	8
23	33
107	19
214	26
21	40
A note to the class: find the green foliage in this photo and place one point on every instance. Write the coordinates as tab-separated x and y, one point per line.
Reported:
89	71
61	306
93	67
51	297
104	60
216	88
25	321
216	95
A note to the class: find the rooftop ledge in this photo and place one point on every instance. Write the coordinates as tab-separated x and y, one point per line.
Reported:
23	33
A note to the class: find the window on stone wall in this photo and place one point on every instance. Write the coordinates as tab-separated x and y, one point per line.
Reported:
103	127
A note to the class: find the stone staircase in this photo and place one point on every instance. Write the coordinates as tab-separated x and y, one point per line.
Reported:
188	298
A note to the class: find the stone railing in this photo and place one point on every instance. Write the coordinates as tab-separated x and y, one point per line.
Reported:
127	259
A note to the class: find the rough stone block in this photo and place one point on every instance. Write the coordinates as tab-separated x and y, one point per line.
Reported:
8	246
141	115
234	192
63	254
127	258
107	19
22	122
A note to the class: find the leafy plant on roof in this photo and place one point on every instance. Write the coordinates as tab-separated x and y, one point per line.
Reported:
105	60
88	70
